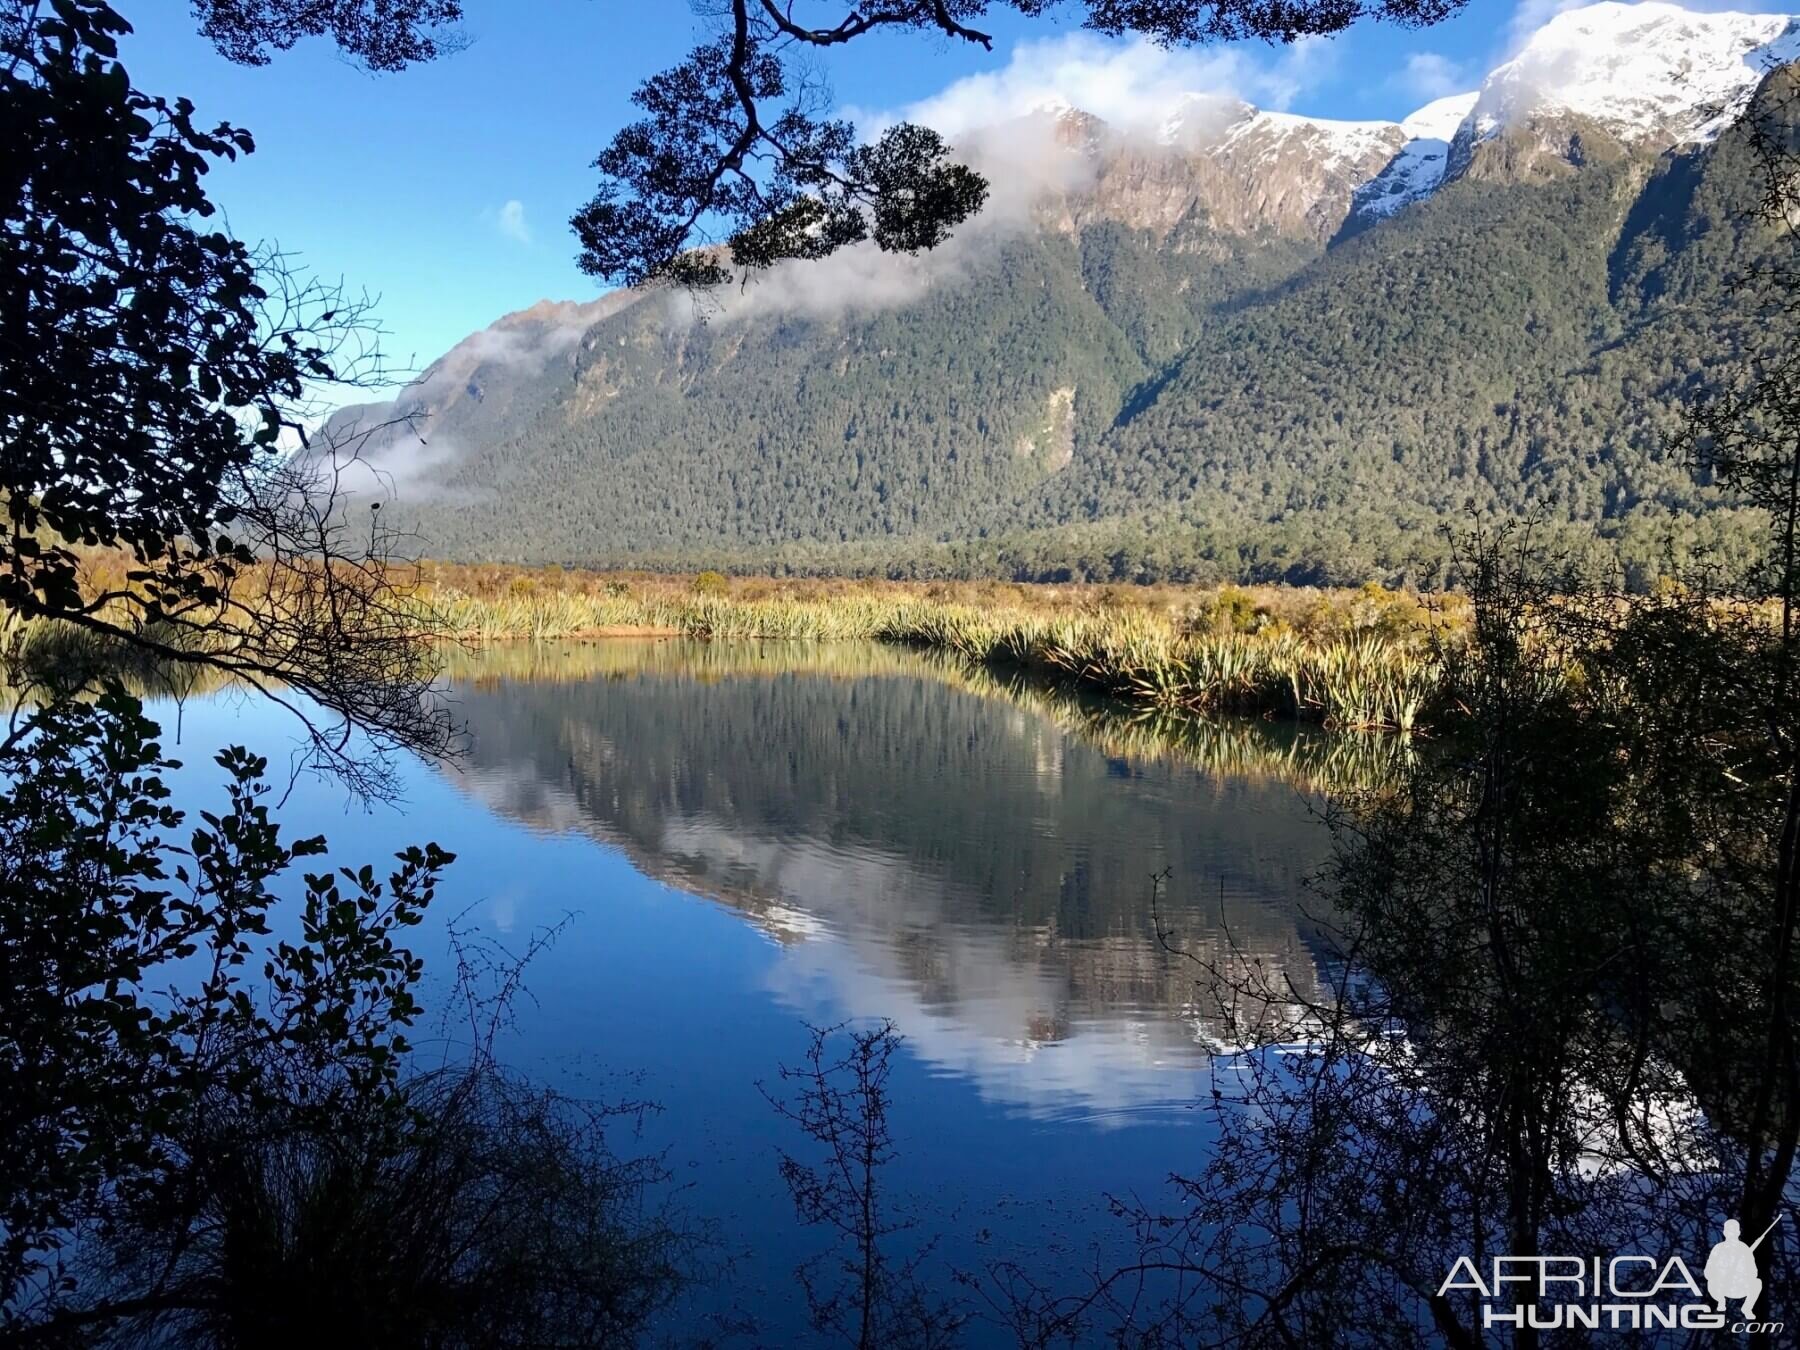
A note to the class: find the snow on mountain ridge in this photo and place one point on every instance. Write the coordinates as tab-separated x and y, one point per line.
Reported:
1439	119
1651	73
1644	71
1419	167
1340	143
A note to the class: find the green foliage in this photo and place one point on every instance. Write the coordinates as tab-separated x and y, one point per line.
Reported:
1239	409
104	1071
132	332
720	432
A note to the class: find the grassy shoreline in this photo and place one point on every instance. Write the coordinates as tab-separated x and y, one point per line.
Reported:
1365	658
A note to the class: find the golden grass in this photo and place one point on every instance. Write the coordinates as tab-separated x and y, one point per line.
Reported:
1361	658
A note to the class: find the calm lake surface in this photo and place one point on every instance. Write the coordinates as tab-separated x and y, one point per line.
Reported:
750	838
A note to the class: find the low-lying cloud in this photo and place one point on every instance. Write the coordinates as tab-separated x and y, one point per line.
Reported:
1132	85
408	447
1003	123
1024	161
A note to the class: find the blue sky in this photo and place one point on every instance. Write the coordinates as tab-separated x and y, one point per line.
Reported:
447	189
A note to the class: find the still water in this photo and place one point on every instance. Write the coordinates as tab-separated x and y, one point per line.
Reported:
747	839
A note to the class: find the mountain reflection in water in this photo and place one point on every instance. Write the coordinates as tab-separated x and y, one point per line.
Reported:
921	846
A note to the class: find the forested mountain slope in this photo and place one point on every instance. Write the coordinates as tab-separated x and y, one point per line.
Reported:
1200	354
1514	346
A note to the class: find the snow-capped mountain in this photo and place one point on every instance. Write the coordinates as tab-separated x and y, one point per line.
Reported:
1648	72
1238	168
1161	313
1419	167
1650	75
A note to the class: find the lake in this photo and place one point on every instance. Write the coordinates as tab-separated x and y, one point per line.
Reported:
741	840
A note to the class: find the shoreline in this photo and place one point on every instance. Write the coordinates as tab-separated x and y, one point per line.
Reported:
1366	659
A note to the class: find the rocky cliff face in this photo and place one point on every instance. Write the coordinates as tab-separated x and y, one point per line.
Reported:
1260	172
1589	87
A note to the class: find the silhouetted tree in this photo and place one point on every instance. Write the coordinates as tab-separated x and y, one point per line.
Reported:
102	1073
1747	434
860	1293
1553	957
736	134
149	368
383	34
214	1135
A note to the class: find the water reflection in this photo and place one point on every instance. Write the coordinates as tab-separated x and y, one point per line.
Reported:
919	847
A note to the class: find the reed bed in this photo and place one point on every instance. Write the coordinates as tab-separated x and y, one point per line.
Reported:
1366	658
1361	659
1366	679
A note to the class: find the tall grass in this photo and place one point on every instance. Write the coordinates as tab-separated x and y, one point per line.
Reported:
1361	659
1249	749
1364	658
1360	678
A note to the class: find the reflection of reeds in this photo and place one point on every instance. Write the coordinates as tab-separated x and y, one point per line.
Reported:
1254	749
48	659
1240	748
1374	673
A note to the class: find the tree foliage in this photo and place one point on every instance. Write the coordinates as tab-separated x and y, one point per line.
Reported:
152	366
385	35
216	1129
105	1073
736	150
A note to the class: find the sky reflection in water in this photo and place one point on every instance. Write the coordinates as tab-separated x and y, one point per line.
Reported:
754	839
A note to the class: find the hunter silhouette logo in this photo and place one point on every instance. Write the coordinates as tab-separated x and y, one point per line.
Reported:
1731	1269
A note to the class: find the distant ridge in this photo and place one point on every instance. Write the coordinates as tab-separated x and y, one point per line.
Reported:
1235	343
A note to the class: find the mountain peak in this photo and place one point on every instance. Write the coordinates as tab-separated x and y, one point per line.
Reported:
1649	71
1650	74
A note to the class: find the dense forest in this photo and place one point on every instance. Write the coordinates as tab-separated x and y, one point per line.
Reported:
1087	398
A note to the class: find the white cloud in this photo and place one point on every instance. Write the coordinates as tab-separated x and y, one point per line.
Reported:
1134	87
1130	85
1431	75
511	222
